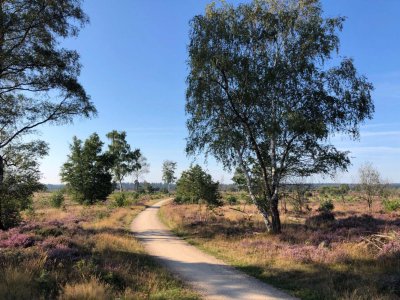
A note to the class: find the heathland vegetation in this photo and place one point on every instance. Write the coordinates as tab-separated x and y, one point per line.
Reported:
67	250
333	245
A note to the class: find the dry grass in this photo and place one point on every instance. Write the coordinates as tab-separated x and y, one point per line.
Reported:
93	289
332	262
81	252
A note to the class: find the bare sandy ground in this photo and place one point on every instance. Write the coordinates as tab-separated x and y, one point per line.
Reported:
211	277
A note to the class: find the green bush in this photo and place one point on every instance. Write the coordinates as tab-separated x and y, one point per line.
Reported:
196	186
232	200
120	199
326	207
391	205
57	199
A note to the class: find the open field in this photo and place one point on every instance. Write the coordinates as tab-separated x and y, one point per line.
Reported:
356	256
79	252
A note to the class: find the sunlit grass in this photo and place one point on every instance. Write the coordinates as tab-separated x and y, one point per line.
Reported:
81	252
330	263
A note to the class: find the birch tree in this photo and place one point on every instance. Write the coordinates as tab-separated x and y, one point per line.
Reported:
264	95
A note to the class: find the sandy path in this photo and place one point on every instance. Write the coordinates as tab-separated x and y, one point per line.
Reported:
211	277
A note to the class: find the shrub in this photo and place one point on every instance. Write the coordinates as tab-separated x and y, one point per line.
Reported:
232	200
196	186
57	199
391	205
119	199
326	207
325	217
320	220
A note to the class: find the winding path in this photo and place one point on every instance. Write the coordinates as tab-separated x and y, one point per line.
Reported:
211	277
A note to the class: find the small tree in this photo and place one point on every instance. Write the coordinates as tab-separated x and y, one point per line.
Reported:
87	171
168	171
298	193
125	161
343	190
196	185
370	183
143	169
239	179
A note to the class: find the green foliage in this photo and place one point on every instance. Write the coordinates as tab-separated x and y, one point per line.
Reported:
57	199
168	171
298	194
232	200
239	179
391	204
326	207
119	199
125	161
370	183
39	84
148	188
258	73
39	79
325	218
340	191
20	179
87	171
138	173
195	186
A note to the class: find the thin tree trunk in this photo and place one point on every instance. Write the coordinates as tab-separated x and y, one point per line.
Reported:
120	186
1	190
274	199
263	211
276	222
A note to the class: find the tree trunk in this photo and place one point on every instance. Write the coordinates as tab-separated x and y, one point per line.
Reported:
1	190
261	208
120	186
276	221
136	185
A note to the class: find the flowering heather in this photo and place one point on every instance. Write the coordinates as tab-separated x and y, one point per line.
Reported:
62	252
391	249
13	238
333	261
53	242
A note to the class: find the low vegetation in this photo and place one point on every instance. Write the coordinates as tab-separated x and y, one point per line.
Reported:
73	252
335	250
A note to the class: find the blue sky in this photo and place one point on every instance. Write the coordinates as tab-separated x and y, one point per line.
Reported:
134	55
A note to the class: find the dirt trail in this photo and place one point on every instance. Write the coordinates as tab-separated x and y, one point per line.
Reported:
211	277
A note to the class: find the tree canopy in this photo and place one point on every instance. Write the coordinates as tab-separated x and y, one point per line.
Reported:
168	172
20	179
38	84
263	93
87	170
38	78
125	161
139	173
195	185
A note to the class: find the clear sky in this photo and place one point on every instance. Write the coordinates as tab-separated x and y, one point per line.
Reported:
134	56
